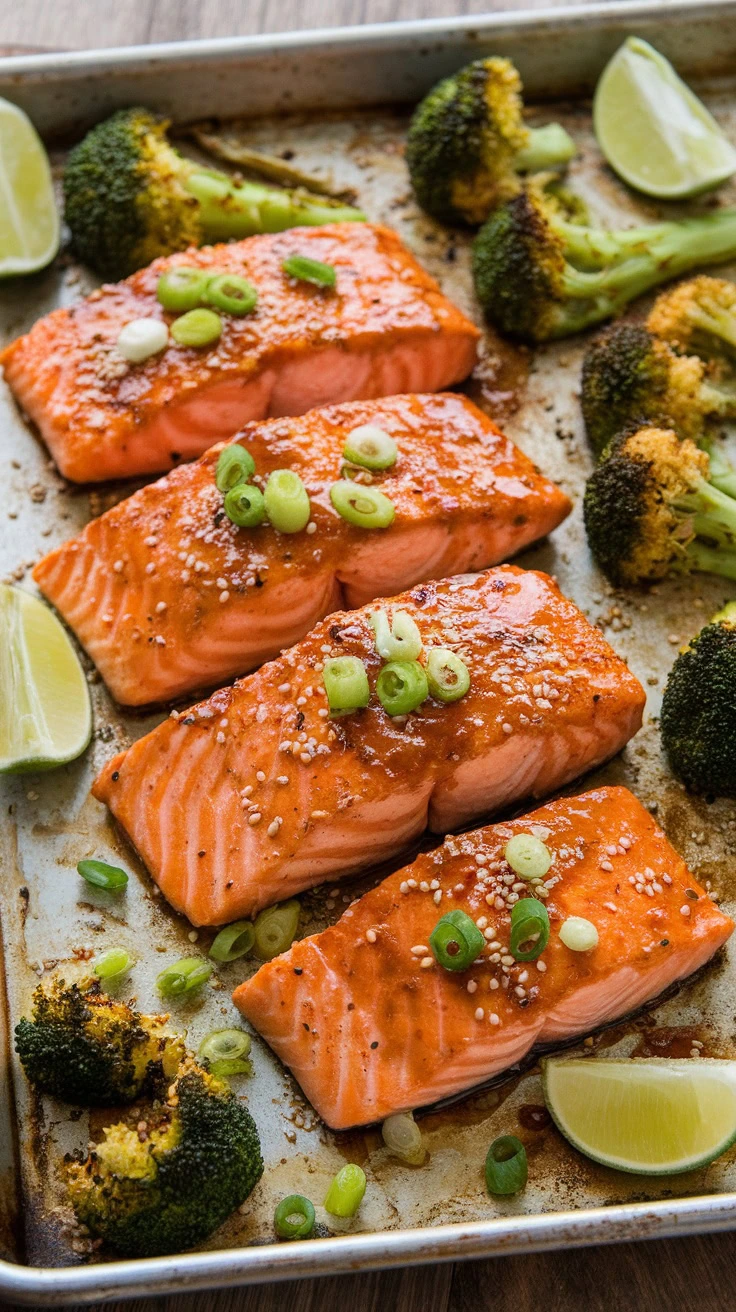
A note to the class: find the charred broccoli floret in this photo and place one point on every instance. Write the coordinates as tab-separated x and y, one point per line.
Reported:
467	143
698	315
165	1187
698	720
629	376
130	197
86	1048
540	276
651	510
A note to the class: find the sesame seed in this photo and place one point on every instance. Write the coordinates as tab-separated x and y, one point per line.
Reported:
437	897
254	818
426	962
493	984
666	879
260	776
412	883
520	991
493	1018
434	884
523	976
118	566
220	737
610	906
160	607
471	986
625	843
424	886
192	936
611	849
606	865
507	728
481	922
274	826
311	527
403	887
507	960
371	935
420	950
282	779
541	967
479	1013
685	910
284	687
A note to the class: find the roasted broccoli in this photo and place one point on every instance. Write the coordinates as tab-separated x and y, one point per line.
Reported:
630	376
697	315
168	1178
87	1048
651	510
129	197
698	720
467	143
540	276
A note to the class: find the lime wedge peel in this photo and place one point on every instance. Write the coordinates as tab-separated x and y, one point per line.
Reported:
45	712
654	131
29	218
649	1116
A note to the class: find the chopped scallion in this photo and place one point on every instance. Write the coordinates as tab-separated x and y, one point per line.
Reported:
286	501
529	929
183	976
528	856
245	506
346	684
456	941
234	465
275	929
366	507
401	687
112	966
579	934
231	293
506	1165
308	270
182	288
226	1052
369	446
197	328
103	875
345	1194
403	1138
398	638
233	941
294	1217
447	675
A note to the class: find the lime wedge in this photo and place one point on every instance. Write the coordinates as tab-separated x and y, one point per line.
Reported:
45	713
29	219
652	1116
653	130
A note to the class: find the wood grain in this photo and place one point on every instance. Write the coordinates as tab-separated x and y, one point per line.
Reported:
690	1275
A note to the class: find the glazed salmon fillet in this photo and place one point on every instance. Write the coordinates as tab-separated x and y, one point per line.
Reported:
369	1022
385	328
257	794
168	596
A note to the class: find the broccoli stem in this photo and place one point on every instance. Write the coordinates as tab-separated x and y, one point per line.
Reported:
640	258
228	209
547	148
714	512
721	474
711	560
714	322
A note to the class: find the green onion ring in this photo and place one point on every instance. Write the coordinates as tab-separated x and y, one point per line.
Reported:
197	328
506	1165
294	1217
232	294
528	856
286	501
228	1066
183	976
366	507
346	684
182	288
345	1194
112	965
448	677
370	447
233	941
397	639
307	270
456	941
225	1045
401	687
275	929
529	929
103	875
245	506
234	465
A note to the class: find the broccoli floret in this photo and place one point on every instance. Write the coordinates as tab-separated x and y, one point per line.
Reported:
630	376
540	276
698	720
86	1048
698	315
130	197
467	143
651	510
166	1187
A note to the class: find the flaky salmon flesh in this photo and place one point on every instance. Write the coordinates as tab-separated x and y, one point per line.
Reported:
385	328
370	1024
257	793
168	596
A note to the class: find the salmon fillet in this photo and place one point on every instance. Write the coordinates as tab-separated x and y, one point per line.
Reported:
385	328
368	1030
256	794
168	596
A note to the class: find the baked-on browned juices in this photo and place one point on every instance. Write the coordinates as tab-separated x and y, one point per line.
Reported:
385	328
169	597
370	1024
257	793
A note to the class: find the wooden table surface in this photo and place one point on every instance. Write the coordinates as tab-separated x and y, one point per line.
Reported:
684	1274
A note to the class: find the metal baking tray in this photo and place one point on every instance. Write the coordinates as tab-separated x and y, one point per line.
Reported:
339	101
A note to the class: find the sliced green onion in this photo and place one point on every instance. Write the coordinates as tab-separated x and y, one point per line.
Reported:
456	941
401	687
529	929
196	328
102	875
579	934
528	856
366	507
506	1165
369	446
182	288
245	506
183	977
139	339
397	639
232	294
403	1138
346	684
294	1217
345	1194
233	941
227	1047
287	503
112	965
234	465
448	677
306	270
275	929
